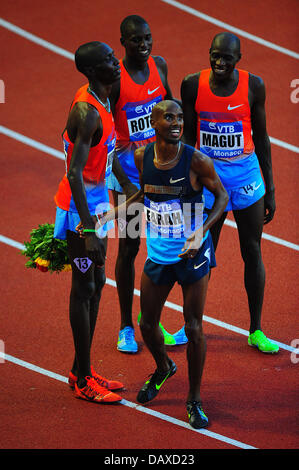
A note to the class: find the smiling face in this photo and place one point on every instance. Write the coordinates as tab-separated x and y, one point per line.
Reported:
137	40
224	55
168	121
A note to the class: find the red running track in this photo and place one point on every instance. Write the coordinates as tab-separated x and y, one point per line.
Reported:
249	397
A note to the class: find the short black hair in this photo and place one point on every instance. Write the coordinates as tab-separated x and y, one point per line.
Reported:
85	55
131	20
229	36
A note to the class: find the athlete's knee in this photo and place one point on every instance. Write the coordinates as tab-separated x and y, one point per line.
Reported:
251	251
100	280
194	331
147	325
84	290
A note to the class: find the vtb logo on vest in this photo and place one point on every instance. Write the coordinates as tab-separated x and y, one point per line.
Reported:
221	139
138	118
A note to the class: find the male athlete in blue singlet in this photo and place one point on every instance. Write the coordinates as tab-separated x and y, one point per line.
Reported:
179	245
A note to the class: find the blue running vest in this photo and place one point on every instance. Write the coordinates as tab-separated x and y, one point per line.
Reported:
173	210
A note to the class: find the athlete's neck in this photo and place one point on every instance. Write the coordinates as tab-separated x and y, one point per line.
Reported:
136	68
101	91
225	86
166	153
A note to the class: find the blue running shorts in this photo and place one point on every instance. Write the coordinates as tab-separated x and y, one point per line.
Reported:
186	271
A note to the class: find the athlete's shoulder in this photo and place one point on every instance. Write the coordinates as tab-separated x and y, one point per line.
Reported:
190	82
256	87
255	82
189	87
85	111
159	60
200	161
161	64
191	77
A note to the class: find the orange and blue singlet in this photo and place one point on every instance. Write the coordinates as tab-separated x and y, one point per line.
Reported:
97	168
224	133
132	117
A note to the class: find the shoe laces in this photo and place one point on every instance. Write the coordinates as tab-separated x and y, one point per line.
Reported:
93	388
158	375
128	333
101	381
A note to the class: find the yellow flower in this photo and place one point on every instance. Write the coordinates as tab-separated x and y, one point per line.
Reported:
67	267
42	262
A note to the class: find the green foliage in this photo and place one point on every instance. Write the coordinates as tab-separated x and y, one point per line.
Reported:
43	245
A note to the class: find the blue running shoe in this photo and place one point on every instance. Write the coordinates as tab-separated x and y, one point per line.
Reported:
126	340
180	336
197	418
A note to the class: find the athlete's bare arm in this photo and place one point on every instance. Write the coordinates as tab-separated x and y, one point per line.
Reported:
84	123
202	173
163	72
257	98
189	88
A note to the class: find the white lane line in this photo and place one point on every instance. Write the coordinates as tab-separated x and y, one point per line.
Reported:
135	406
284	145
33	38
55	153
233	29
31	143
58	50
171	305
266	236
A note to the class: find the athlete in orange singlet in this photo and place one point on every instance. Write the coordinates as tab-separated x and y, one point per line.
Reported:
222	107
89	141
143	84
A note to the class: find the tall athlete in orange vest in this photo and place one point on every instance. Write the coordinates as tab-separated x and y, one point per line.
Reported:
224	114
89	141
143	84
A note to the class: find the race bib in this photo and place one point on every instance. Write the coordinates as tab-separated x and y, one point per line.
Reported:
164	218
221	139
138	119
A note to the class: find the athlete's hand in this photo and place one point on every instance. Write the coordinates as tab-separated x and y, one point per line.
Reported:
95	249
270	206
192	245
79	229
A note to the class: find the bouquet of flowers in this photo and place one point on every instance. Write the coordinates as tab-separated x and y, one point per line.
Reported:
45	252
